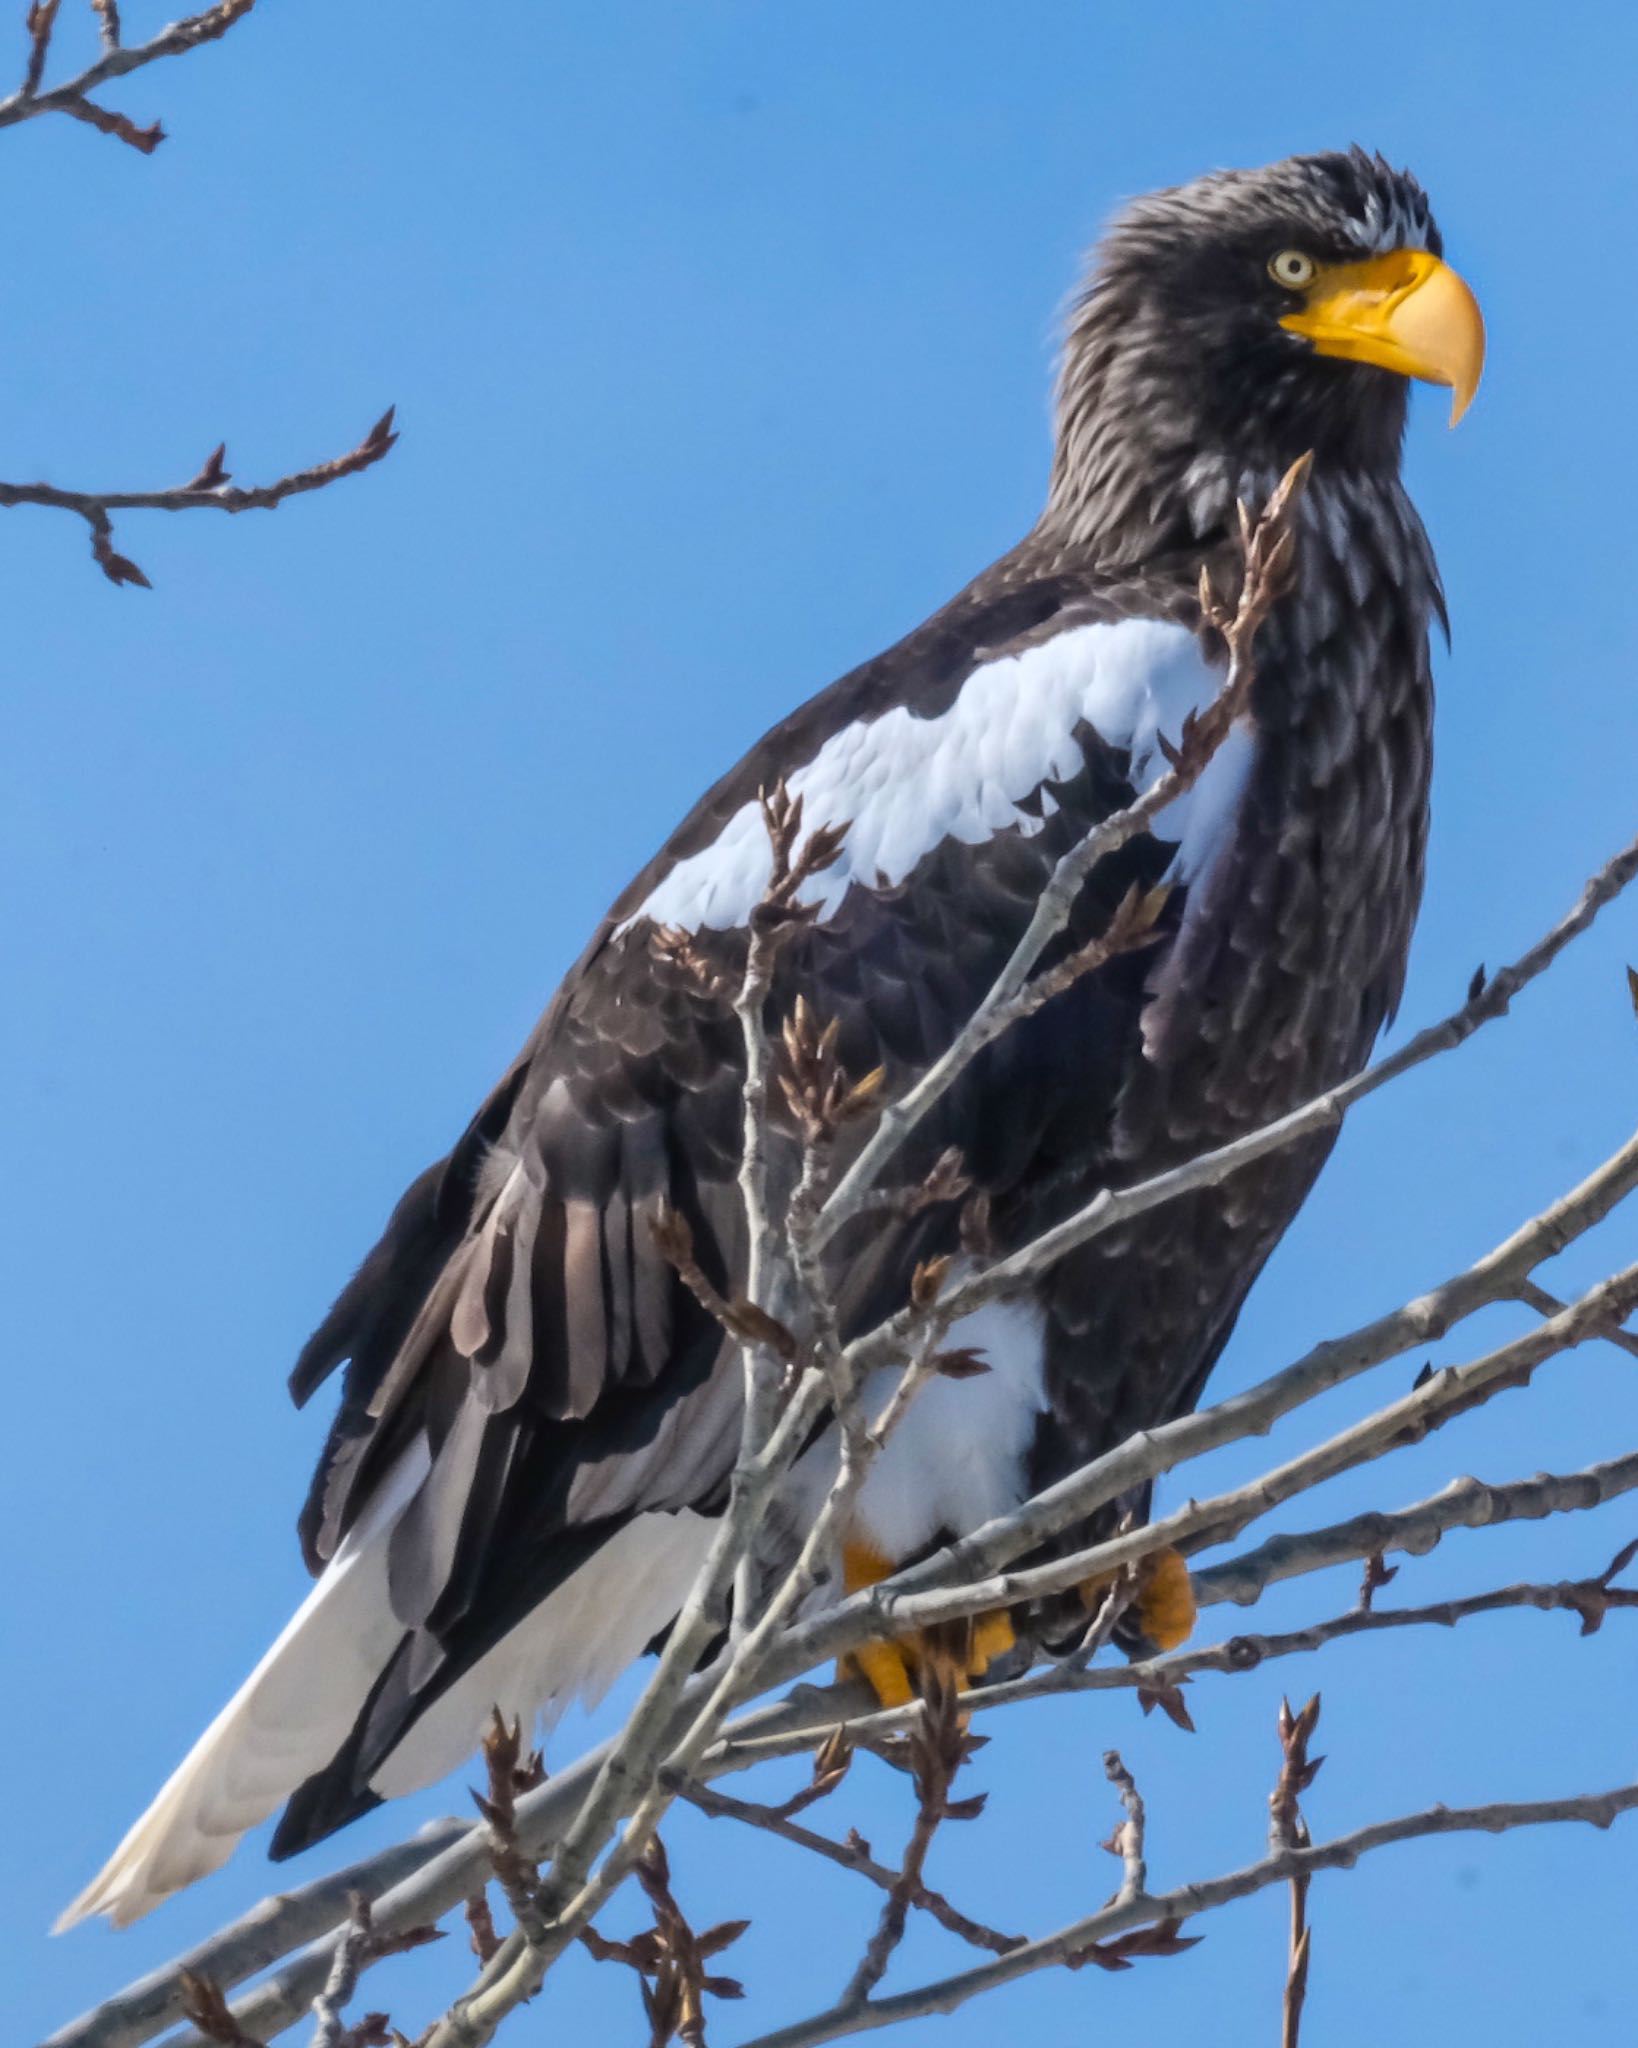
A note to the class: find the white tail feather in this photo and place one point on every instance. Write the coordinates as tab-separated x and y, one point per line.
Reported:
294	1711
570	1649
286	1721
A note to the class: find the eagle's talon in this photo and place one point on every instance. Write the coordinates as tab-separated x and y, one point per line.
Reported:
992	1636
885	1668
1166	1606
1165	1609
894	1669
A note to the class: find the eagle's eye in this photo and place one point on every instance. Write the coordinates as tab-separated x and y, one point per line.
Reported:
1292	269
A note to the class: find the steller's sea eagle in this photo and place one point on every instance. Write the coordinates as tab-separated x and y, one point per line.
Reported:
537	1419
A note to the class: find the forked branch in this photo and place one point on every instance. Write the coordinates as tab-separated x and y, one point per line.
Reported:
73	96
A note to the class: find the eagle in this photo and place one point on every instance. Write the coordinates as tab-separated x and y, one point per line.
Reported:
538	1420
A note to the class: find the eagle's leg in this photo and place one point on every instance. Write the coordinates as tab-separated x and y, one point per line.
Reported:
962	1650
1165	1605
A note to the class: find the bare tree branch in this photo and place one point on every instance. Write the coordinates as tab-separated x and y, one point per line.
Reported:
210	490
1597	1809
939	1746
769	1281
1547	1304
673	1955
265	1935
852	1854
1463	1504
1127	1842
1423	1320
1288	1830
452	1873
884	1609
1589	1599
449	1872
116	61
360	1945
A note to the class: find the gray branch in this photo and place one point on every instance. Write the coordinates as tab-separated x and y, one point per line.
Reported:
1597	1809
73	96
422	1879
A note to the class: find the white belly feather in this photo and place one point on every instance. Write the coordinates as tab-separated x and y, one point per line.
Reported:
961	1451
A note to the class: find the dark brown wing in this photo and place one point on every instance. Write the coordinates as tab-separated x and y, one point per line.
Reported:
517	1314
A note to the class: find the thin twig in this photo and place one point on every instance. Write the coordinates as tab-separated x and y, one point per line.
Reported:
1288	1830
1127	1842
210	490
40	22
205	2007
769	1277
673	1955
359	1947
852	1854
1376	1575
939	1745
482	1938
511	1773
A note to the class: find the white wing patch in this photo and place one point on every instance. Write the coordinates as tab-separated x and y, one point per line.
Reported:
904	784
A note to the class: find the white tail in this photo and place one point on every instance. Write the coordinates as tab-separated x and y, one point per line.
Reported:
286	1721
294	1711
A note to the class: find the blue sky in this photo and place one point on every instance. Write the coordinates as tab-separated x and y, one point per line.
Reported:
721	338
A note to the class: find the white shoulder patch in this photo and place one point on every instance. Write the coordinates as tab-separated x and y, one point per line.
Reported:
904	784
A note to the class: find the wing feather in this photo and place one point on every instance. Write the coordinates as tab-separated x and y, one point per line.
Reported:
517	1319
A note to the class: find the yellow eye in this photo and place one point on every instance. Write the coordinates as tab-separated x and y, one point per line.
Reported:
1292	269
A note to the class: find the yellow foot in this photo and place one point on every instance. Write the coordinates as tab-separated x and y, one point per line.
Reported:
894	1671
1165	1606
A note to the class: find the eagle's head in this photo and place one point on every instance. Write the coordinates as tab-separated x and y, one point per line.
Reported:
1232	324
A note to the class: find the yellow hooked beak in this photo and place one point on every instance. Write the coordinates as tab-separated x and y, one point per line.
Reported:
1405	311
